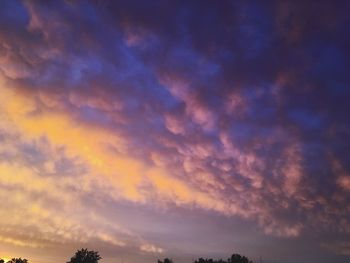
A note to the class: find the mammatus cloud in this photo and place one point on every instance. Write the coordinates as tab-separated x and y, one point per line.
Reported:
104	107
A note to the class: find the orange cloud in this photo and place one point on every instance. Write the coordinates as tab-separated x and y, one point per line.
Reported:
124	178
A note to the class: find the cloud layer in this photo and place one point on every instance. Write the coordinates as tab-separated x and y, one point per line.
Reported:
236	110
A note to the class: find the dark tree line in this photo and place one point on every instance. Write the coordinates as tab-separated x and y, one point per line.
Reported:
81	256
15	260
89	256
235	258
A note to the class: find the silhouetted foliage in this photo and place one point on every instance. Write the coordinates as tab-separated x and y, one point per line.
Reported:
235	258
18	260
85	256
2	261
166	260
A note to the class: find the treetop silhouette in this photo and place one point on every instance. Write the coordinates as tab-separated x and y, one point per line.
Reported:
15	260
235	258
89	256
166	260
85	256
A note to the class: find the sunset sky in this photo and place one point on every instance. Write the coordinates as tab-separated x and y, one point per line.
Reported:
151	129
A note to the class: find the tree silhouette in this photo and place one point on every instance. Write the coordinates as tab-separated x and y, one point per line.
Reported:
85	256
208	260
166	260
2	261
18	260
235	258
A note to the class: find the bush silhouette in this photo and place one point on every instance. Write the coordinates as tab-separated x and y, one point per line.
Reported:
85	256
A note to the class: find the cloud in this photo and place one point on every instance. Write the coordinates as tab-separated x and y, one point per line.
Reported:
199	110
340	248
151	248
344	182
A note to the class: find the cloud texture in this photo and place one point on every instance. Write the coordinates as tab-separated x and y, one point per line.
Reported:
123	121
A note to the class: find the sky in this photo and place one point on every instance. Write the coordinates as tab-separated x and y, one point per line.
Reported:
182	129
